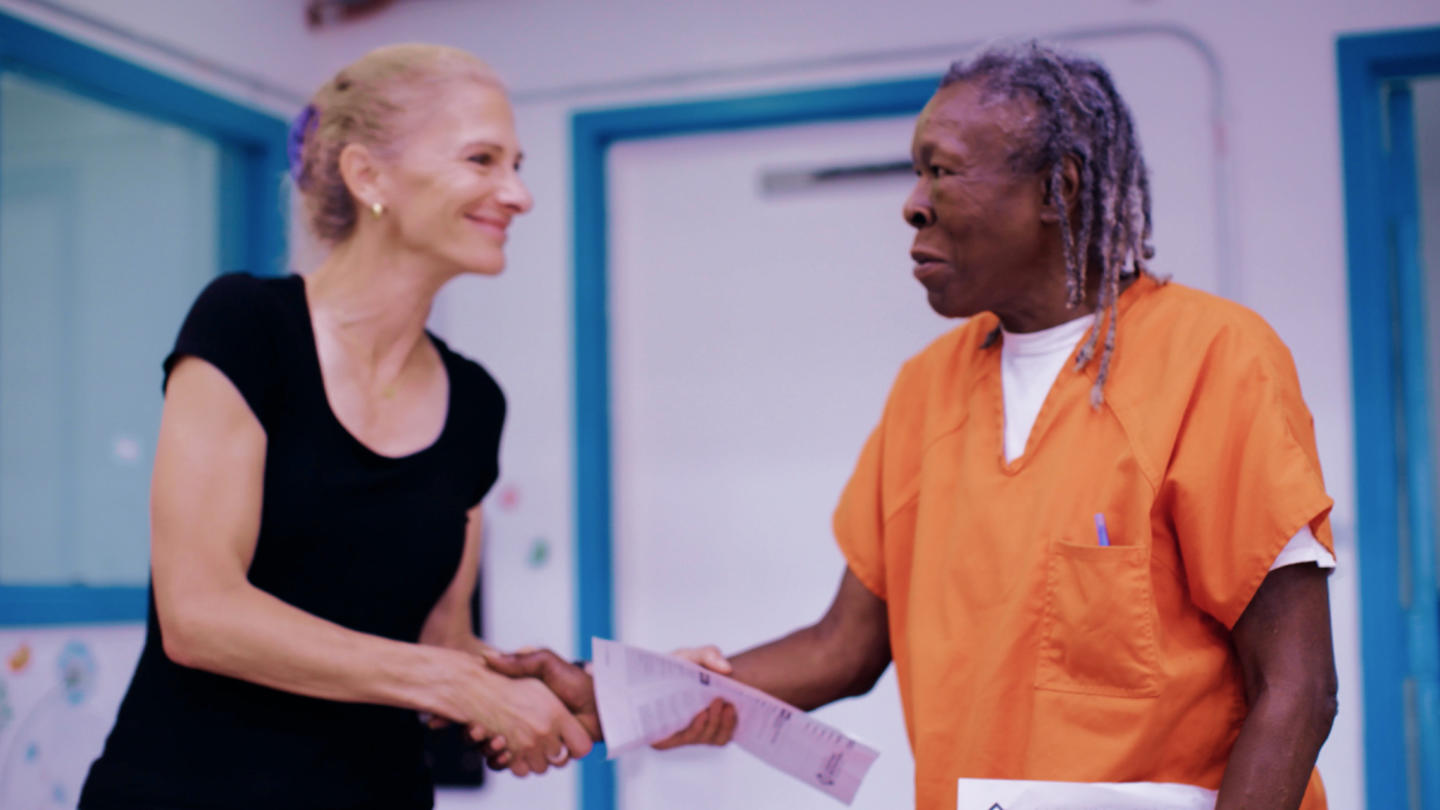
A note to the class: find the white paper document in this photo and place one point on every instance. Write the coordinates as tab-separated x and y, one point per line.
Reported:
644	697
1015	794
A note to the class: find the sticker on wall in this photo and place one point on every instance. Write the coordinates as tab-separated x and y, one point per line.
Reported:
20	659
538	553
56	741
508	497
77	671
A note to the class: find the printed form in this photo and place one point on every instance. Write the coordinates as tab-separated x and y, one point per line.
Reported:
1006	794
644	697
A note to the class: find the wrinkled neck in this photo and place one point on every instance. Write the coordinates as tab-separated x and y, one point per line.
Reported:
373	299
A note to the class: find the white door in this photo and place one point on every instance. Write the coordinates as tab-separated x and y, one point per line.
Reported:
754	337
755	332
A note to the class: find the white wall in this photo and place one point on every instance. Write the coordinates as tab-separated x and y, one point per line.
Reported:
57	703
1282	138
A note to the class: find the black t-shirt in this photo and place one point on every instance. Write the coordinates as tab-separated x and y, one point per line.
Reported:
366	541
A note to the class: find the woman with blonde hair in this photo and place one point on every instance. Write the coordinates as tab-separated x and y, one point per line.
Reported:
318	475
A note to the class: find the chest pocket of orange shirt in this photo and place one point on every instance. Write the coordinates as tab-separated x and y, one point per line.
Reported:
1098	625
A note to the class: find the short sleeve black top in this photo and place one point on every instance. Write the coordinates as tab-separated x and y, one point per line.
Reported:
364	540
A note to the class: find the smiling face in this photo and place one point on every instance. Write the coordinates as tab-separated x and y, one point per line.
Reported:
985	238
452	185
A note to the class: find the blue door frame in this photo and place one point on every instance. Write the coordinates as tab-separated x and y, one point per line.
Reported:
1394	470
252	232
592	134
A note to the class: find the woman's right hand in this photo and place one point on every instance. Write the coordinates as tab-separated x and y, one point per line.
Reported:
527	720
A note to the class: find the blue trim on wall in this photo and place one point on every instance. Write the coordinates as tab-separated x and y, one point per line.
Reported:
1392	449
26	605
592	134
1423	632
234	242
595	615
252	231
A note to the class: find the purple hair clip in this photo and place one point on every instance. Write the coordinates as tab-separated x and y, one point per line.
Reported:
295	143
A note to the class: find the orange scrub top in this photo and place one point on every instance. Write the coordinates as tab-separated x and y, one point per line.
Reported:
1024	649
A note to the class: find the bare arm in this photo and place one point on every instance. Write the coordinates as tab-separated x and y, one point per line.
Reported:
840	656
205	515
1283	641
450	623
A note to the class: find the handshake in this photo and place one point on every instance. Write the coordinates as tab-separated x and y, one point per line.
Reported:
541	710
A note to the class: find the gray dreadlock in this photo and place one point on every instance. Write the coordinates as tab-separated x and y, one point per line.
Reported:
1082	117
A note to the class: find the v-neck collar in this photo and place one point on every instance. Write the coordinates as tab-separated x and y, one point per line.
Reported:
992	389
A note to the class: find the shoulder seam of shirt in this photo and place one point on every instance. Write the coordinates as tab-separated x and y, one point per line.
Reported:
912	481
1153	469
905	504
951	340
1147	464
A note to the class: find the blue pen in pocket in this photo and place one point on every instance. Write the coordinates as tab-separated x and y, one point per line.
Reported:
1100	530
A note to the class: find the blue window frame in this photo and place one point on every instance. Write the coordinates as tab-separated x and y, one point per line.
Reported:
1399	625
251	230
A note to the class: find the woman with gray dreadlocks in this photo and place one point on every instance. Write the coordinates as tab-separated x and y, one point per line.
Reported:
1090	529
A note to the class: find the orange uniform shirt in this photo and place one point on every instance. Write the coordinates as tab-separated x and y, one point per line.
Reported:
1024	649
